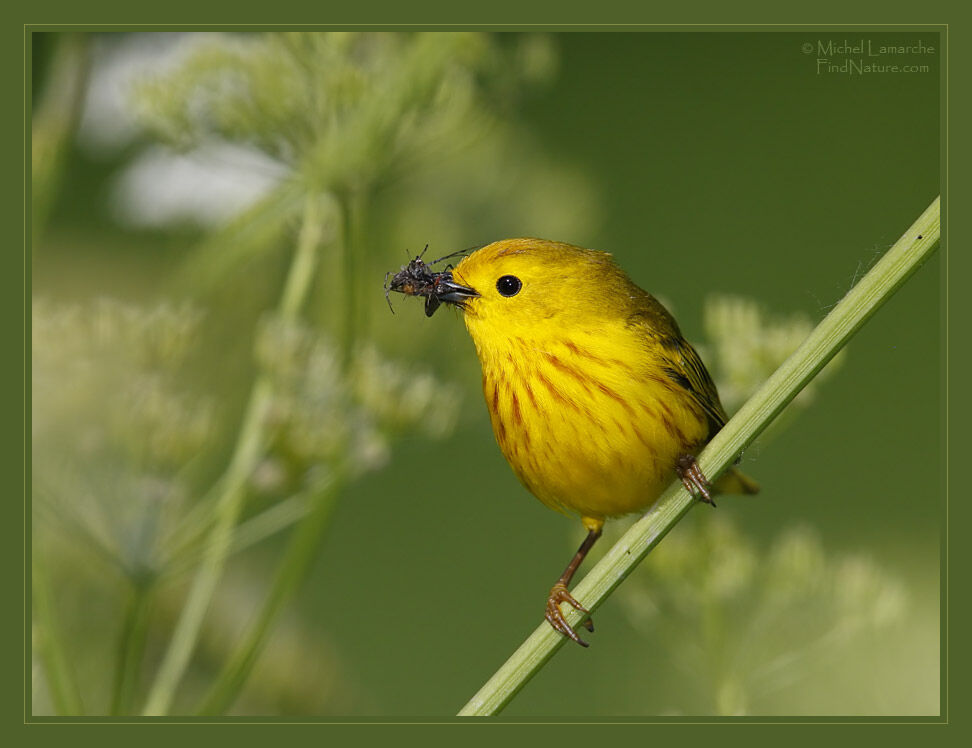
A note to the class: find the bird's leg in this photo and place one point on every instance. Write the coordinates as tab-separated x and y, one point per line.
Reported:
559	593
694	479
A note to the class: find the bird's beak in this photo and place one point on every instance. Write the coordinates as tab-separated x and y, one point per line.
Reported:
447	290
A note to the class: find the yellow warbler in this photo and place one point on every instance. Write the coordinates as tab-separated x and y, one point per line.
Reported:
596	399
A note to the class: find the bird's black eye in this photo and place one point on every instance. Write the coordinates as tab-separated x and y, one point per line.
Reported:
509	285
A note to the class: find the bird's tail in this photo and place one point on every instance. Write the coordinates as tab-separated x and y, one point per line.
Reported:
735	481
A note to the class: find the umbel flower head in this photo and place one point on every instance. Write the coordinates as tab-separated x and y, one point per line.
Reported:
742	622
342	109
323	414
116	431
113	426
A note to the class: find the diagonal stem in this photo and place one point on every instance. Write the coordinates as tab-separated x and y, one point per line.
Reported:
897	265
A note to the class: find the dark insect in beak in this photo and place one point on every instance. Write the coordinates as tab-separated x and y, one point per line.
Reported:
412	277
417	279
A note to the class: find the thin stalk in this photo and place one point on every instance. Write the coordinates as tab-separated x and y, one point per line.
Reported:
255	529
306	537
356	236
352	206
907	254
131	646
54	121
61	682
248	451
294	566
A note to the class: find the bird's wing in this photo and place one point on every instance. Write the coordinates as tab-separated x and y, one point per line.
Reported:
680	361
686	369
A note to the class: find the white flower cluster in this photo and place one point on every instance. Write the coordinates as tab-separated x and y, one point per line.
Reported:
323	412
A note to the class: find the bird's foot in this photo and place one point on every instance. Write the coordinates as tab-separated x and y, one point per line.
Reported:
556	618
694	479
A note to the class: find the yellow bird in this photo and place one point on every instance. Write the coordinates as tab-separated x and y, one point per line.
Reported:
597	401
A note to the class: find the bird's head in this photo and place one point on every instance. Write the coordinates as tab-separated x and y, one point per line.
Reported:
524	287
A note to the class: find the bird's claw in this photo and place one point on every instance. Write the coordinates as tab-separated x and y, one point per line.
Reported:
694	479
556	618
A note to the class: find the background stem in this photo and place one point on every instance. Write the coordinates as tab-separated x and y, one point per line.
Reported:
351	207
305	539
907	254
131	646
300	554
61	682
248	451
54	122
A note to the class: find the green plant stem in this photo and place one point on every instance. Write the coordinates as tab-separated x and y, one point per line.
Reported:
61	683
291	572
907	254
248	451
131	645
352	205
54	122
306	537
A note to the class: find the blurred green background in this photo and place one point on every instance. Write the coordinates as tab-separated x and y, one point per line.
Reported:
179	169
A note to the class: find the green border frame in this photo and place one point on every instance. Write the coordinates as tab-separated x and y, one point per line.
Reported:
947	266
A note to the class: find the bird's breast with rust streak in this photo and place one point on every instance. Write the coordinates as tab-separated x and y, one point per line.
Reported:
584	429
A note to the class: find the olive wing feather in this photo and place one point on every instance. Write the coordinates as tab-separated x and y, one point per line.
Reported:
680	361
